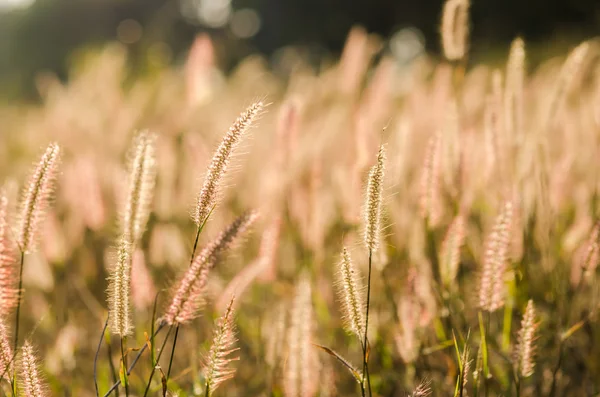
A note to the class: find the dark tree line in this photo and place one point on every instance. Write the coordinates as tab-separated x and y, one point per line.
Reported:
43	35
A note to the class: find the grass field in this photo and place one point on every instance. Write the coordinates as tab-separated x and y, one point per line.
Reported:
361	229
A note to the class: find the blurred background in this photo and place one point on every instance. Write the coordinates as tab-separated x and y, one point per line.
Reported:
47	35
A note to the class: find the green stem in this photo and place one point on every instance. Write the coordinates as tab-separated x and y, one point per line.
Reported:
124	366
116	380
16	343
366	341
162	348
172	352
20	290
96	357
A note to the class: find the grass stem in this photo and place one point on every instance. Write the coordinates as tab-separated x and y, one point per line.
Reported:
96	357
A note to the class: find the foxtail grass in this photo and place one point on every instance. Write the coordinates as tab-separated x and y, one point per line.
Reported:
222	352
207	199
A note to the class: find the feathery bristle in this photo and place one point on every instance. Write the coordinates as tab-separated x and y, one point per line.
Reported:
455	29
300	364
187	298
142	176
217	369
207	198
36	198
495	261
351	296
450	252
6	354
9	292
373	203
30	378
119	291
430	199
422	390
525	353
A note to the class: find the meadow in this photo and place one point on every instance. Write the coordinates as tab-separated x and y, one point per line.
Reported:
357	228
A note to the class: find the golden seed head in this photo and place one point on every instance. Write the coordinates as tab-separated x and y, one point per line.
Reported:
373	205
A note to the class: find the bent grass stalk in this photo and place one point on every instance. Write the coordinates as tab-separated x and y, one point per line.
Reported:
36	199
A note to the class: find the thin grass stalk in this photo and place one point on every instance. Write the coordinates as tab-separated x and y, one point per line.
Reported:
152	325
115	385
96	356
365	340
172	353
200	228
124	366
20	289
116	379
162	348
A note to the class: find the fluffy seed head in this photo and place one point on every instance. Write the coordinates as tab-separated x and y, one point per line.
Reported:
6	354
119	291
37	197
455	29
31	382
351	296
373	203
142	174
9	293
525	353
187	297
208	196
217	368
495	261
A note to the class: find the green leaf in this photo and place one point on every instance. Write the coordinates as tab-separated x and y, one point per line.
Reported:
342	360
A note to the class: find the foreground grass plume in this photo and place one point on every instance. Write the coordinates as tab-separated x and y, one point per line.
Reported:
36	198
217	368
350	294
142	174
31	380
187	297
208	196
9	292
119	291
373	202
